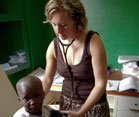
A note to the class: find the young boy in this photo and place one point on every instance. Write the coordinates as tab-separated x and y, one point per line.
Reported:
31	95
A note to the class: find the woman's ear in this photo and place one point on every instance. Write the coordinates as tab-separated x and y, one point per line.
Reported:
76	26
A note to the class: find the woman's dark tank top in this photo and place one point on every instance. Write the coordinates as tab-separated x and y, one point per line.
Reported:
83	77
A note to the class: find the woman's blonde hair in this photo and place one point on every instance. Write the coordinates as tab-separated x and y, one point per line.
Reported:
73	8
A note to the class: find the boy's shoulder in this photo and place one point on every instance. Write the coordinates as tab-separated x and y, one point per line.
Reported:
23	113
20	113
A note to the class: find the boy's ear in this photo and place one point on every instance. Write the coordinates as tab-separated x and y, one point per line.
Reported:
19	100
43	94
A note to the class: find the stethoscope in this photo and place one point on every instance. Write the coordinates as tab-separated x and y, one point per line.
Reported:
69	68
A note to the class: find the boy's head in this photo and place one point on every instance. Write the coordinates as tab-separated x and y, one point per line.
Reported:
30	92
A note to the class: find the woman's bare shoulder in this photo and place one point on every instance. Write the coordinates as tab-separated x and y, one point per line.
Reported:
96	44
50	49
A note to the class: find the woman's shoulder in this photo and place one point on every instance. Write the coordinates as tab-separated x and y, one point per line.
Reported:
93	33
94	42
51	49
91	36
52	43
94	38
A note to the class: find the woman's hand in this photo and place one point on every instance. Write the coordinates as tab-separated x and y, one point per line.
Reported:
71	113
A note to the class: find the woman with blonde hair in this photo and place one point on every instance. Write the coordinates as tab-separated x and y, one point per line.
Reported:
79	56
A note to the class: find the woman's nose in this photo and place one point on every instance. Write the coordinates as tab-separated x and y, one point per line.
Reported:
58	29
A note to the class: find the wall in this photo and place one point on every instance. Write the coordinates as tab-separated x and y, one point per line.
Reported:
39	34
34	17
117	22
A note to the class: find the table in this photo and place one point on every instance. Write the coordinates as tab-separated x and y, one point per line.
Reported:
124	104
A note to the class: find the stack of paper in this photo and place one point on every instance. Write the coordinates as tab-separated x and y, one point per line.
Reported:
127	58
129	83
126	84
39	72
112	85
130	65
7	66
57	82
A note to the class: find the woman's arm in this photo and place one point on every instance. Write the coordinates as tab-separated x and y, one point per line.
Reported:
99	64
50	68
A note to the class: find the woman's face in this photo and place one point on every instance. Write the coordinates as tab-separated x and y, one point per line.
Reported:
63	25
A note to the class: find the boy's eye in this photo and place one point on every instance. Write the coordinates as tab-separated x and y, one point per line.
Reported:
26	99
37	96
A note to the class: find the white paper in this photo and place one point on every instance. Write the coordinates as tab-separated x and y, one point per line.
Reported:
58	80
127	58
127	84
112	85
6	66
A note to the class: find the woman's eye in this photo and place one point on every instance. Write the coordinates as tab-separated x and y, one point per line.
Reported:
63	25
53	24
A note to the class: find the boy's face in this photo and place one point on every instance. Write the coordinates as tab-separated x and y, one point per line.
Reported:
31	98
